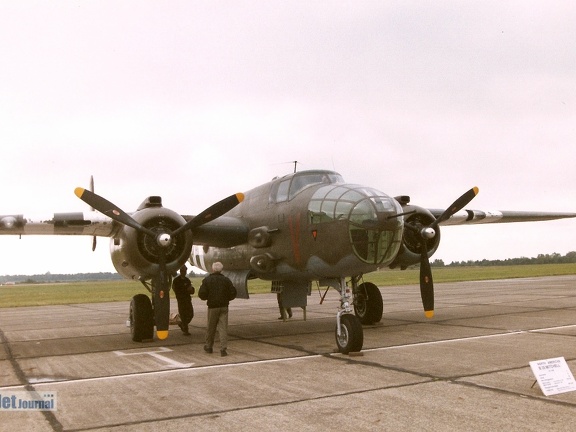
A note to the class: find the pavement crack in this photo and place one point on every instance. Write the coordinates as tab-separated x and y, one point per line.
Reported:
48	415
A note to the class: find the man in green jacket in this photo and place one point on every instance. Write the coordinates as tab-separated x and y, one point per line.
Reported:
218	291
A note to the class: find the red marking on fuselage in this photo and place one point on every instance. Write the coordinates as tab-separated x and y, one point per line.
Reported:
295	236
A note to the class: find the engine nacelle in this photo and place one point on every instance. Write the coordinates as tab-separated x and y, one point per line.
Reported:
136	255
411	249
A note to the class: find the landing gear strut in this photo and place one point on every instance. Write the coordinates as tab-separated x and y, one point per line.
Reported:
349	333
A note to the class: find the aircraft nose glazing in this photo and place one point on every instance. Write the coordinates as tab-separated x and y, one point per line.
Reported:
375	230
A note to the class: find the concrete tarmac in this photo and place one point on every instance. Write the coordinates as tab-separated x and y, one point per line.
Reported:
466	369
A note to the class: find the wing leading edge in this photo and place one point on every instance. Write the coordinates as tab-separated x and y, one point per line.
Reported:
79	223
473	217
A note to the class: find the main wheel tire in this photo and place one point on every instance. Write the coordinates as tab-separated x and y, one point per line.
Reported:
141	318
368	304
351	334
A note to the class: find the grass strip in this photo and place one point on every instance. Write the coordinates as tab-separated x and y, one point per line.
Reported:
123	290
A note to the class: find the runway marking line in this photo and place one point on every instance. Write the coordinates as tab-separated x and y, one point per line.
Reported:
156	355
287	359
190	369
508	333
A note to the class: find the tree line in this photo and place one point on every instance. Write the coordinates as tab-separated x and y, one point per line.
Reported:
55	278
554	258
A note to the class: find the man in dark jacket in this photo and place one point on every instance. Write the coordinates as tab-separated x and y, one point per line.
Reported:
183	289
217	290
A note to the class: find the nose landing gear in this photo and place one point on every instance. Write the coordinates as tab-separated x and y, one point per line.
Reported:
349	333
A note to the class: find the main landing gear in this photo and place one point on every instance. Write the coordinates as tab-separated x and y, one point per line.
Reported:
368	304
141	318
146	313
368	307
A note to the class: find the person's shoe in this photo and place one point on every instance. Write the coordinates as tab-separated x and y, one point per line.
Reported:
223	353
208	349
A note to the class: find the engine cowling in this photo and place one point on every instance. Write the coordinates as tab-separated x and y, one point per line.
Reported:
136	255
411	249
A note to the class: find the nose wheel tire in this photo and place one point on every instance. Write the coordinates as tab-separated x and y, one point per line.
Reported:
141	318
351	335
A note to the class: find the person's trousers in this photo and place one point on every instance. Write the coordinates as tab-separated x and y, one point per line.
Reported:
217	321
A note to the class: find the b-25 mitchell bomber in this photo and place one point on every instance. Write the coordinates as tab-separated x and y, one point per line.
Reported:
309	226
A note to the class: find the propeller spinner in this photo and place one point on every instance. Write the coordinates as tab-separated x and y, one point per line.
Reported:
428	232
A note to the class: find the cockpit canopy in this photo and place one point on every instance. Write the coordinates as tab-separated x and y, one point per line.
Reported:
288	187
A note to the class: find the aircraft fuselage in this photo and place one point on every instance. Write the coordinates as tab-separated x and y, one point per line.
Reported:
311	225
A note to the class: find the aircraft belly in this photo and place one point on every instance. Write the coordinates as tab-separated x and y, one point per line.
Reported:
348	265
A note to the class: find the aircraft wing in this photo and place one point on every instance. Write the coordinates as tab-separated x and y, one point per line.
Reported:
225	231
472	217
80	223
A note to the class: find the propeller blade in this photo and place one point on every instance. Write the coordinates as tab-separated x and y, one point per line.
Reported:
92	188
112	211
456	206
212	212
162	299
94	239
426	283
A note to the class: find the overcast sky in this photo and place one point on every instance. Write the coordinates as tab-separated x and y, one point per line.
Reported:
195	100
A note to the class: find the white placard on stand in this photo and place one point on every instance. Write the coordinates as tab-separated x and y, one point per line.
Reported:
553	376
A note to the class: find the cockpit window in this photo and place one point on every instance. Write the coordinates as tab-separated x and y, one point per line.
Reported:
287	189
282	194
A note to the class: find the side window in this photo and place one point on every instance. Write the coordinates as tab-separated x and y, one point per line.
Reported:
282	194
299	183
